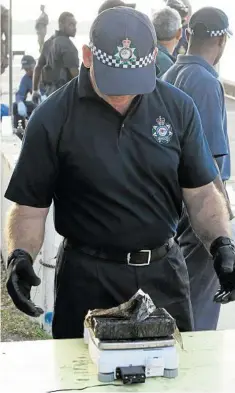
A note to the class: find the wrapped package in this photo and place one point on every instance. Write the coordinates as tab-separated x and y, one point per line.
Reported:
136	319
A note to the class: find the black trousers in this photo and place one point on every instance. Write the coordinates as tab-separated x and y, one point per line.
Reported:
30	107
84	282
203	279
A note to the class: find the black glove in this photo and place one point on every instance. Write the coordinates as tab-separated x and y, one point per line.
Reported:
223	253
20	279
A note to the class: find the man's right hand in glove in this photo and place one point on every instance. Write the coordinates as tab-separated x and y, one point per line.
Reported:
20	279
36	97
223	253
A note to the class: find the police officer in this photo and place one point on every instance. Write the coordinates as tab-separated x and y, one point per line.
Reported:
194	73
168	27
59	62
115	150
185	10
107	4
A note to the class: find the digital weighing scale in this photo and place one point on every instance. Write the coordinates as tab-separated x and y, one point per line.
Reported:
132	361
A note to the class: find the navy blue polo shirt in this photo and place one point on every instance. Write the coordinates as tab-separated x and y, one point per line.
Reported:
199	80
116	181
164	60
182	46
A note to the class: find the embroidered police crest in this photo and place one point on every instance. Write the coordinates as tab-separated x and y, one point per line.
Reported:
126	54
162	132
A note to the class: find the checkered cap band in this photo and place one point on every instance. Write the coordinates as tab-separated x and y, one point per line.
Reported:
212	33
112	61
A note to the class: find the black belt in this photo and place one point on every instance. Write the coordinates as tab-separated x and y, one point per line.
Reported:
137	258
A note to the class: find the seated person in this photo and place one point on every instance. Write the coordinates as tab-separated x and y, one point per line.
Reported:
22	109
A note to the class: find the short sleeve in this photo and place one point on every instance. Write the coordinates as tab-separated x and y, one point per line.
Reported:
23	90
69	55
210	107
33	180
197	166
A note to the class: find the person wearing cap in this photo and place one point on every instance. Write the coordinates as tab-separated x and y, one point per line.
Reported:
107	4
194	73
41	27
22	108
168	27
185	10
115	151
59	61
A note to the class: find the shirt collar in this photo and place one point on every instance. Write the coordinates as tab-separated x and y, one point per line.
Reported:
165	50
59	33
85	90
193	59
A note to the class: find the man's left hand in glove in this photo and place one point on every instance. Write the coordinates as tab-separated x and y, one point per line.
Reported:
21	278
223	253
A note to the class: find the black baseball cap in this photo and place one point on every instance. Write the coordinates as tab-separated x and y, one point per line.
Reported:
123	42
179	6
27	61
209	22
114	3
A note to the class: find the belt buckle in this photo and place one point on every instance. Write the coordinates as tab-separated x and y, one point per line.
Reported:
149	252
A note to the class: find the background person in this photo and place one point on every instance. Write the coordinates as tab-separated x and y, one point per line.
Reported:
41	27
194	73
106	5
22	108
168	27
59	61
4	38
185	10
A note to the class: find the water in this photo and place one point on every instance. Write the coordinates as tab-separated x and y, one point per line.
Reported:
29	44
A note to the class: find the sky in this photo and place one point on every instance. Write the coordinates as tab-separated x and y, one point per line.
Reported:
29	9
87	11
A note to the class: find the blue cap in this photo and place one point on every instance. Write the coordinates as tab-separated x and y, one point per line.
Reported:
123	42
209	22
27	61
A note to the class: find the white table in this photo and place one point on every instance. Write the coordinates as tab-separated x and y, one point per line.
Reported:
206	366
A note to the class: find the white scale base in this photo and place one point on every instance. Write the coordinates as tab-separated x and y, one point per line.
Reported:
159	357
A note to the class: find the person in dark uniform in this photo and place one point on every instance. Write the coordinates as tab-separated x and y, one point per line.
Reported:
107	4
194	73
185	10
59	61
115	150
168	27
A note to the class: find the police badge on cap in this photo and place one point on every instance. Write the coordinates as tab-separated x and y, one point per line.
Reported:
126	54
